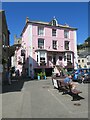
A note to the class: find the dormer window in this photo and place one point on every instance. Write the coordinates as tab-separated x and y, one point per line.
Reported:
53	22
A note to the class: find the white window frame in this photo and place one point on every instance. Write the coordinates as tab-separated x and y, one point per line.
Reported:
44	43
70	58
56	44
68	36
64	44
40	56
54	20
55	34
38	29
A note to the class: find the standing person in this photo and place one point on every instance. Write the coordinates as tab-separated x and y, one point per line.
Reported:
81	75
1	70
17	74
60	73
6	75
75	76
32	76
9	76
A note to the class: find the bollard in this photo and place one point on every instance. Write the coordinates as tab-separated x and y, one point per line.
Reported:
38	77
45	77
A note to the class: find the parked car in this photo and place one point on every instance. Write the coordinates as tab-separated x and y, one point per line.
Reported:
82	75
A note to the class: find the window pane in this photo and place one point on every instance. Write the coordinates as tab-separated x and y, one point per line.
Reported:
64	57
40	43
67	45
40	30
66	34
42	54
54	22
82	60
50	58
54	44
37	58
4	38
53	32
79	61
69	57
23	52
42	58
60	57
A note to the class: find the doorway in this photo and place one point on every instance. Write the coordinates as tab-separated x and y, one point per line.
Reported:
54	59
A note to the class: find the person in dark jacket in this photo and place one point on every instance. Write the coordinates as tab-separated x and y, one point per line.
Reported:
8	76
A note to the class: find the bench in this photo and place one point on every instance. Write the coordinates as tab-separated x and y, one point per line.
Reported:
66	88
75	93
54	81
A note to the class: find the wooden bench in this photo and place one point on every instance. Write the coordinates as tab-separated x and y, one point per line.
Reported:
75	93
54	81
66	88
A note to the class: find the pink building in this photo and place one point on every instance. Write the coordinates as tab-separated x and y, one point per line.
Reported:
46	45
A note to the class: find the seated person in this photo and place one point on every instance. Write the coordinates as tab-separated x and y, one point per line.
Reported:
83	78
68	80
75	76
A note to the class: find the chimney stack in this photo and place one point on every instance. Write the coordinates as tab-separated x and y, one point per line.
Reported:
27	19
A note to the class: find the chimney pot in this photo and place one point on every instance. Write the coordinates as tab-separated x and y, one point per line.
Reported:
27	19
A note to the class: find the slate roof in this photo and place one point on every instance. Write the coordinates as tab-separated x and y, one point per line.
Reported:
46	24
84	54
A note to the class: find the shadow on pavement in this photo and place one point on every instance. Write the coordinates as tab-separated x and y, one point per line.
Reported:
74	97
15	86
77	98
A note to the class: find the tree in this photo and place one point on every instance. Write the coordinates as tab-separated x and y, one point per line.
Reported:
79	46
88	39
85	44
85	66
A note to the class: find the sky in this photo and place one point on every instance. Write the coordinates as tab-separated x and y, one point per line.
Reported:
75	14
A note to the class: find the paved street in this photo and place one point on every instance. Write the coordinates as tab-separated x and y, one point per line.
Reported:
38	99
